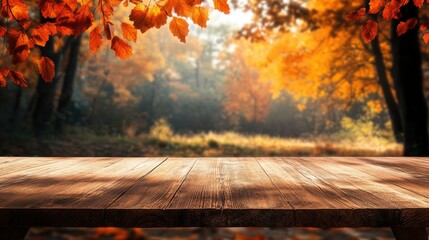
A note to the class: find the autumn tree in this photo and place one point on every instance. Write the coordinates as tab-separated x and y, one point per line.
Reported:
246	95
51	20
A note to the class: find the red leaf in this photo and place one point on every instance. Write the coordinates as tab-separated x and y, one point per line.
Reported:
418	3
403	27
18	78
369	30
46	69
376	5
356	16
3	74
3	31
121	48
95	39
426	38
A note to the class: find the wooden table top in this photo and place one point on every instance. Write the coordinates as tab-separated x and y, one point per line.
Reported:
221	192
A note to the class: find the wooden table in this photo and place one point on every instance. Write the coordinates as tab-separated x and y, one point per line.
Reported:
215	192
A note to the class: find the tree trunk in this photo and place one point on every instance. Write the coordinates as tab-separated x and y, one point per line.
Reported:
392	106
45	93
67	89
408	83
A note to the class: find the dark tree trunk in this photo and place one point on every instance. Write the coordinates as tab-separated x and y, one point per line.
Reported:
392	106
67	89
45	93
408	82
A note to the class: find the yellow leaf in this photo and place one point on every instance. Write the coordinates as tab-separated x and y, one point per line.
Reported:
200	16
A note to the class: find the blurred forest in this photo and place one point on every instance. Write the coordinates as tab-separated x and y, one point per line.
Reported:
270	78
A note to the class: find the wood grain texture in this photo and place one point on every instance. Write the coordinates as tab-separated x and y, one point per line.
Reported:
410	233
215	192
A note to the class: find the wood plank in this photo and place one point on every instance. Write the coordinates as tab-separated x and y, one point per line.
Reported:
82	192
231	192
144	203
410	233
10	165
314	205
379	205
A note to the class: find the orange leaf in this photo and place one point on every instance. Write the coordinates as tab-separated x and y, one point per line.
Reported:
426	38
200	16
182	8
221	5
46	69
418	3
40	35
156	16
121	48
356	16
17	10
138	17
369	30
18	78
129	32
403	27
392	9
376	5
95	39
3	31
179	28
50	8
3	74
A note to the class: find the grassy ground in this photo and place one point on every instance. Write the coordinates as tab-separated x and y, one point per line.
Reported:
81	142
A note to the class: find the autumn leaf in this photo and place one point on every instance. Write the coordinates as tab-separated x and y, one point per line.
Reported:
418	3
40	35
179	28
182	8
369	30
376	5
16	10
3	31
95	39
46	69
221	5
424	26
426	38
108	30
403	27
391	10
200	16
357	15
3	74
129	32
50	8
121	48
18	78
156	16
138	16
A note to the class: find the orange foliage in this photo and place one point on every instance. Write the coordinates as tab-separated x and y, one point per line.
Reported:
246	95
389	10
74	17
